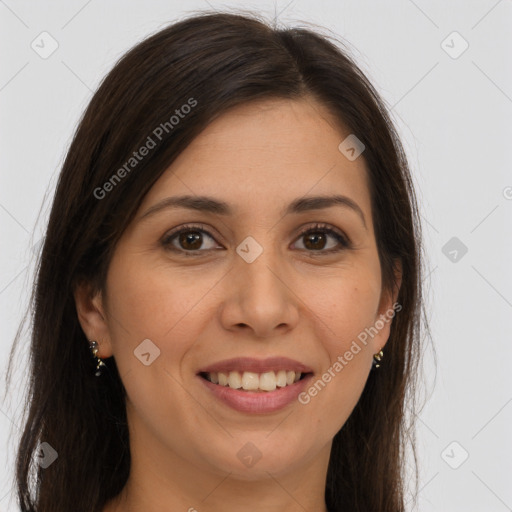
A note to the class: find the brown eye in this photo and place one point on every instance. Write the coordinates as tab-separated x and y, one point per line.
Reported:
192	240
188	239
317	239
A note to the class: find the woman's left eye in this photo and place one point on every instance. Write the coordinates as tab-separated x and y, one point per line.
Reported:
190	240
320	233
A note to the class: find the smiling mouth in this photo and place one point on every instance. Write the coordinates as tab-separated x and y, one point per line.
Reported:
253	381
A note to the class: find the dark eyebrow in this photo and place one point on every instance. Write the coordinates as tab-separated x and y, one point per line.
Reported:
318	202
211	205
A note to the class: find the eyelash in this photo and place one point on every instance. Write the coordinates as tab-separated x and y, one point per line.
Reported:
317	228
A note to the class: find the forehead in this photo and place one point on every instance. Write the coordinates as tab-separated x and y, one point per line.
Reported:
265	154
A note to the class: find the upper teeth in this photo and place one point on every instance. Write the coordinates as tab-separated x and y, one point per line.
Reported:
251	381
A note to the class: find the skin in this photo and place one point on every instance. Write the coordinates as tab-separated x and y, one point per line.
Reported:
292	301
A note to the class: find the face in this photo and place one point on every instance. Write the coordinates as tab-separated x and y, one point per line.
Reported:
266	278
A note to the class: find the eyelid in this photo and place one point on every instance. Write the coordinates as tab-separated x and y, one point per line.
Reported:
185	228
343	240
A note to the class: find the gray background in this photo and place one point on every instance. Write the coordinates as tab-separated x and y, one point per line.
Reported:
453	111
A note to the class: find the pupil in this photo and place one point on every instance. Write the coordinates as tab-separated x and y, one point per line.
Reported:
314	238
187	238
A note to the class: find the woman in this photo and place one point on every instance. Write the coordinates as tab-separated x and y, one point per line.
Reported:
227	309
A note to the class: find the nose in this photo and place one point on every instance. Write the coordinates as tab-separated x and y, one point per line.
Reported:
259	298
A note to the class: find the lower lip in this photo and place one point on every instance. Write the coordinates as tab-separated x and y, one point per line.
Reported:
257	401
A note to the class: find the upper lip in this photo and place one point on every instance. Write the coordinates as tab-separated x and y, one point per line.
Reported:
250	364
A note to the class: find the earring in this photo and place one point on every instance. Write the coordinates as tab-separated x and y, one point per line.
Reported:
93	345
377	359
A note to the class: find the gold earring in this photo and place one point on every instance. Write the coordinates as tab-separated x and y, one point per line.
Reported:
93	345
377	358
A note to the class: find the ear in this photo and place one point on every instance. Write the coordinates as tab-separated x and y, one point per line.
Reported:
388	307
92	318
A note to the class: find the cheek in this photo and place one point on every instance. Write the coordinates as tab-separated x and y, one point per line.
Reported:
345	305
346	342
147	301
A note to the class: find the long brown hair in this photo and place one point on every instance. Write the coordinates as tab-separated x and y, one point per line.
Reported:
220	60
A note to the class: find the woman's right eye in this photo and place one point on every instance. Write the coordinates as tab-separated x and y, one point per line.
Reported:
187	240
